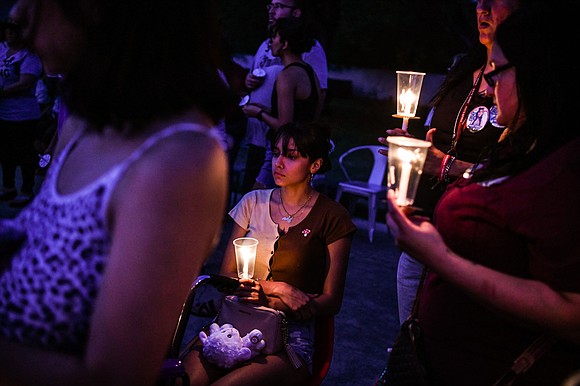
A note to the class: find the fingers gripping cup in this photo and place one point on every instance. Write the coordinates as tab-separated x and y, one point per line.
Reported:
245	248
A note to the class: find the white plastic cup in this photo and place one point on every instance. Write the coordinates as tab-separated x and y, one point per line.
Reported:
406	160
408	90
245	248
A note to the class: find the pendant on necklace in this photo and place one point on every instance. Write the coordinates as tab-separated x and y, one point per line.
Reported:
288	219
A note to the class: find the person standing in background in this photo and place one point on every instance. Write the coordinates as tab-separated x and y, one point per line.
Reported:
296	95
20	70
258	171
458	131
503	250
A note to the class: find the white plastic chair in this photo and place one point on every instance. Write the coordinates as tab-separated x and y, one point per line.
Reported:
372	188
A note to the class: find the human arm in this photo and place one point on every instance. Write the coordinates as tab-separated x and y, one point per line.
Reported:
256	110
286	89
432	165
435	157
252	82
29	70
304	306
163	225
21	87
531	302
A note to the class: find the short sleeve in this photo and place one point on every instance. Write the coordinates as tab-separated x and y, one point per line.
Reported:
242	212
338	223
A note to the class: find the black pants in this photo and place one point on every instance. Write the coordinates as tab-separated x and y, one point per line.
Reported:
17	149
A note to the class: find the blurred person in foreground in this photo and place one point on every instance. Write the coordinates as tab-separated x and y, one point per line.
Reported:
461	125
127	213
503	252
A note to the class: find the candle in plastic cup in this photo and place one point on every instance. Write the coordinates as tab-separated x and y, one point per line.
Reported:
408	90
406	160
245	248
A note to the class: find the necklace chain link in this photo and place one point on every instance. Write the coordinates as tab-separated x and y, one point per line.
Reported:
289	217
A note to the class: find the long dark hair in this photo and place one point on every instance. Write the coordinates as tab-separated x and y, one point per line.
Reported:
144	60
533	41
462	68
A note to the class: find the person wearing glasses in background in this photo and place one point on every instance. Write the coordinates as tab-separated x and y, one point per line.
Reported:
258	173
20	70
462	123
504	251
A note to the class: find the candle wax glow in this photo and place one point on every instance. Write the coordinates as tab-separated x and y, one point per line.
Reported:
407	99
405	156
246	259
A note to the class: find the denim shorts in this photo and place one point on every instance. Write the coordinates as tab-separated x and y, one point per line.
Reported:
301	339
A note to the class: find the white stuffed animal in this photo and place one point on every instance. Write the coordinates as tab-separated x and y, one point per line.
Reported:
225	348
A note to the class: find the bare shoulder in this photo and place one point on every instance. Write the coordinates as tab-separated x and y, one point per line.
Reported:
189	150
290	75
178	168
186	156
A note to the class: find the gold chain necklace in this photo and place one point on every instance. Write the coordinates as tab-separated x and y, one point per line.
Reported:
289	217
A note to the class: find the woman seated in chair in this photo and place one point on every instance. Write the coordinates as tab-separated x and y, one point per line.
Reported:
305	239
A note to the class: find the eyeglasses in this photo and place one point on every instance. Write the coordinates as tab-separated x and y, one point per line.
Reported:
278	6
490	76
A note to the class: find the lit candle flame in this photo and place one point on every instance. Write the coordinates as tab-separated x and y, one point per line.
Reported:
407	99
406	157
246	256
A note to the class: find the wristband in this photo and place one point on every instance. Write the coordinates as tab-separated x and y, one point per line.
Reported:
446	163
259	116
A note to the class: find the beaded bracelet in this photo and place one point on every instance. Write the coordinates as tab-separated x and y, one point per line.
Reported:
446	163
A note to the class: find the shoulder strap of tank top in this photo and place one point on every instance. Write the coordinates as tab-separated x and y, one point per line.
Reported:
310	71
160	135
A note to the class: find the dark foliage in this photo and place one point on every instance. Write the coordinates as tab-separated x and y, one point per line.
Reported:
389	34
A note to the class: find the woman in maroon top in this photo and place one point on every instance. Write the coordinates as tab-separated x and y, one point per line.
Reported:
504	254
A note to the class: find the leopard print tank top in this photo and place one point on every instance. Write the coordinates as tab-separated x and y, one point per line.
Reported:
48	291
